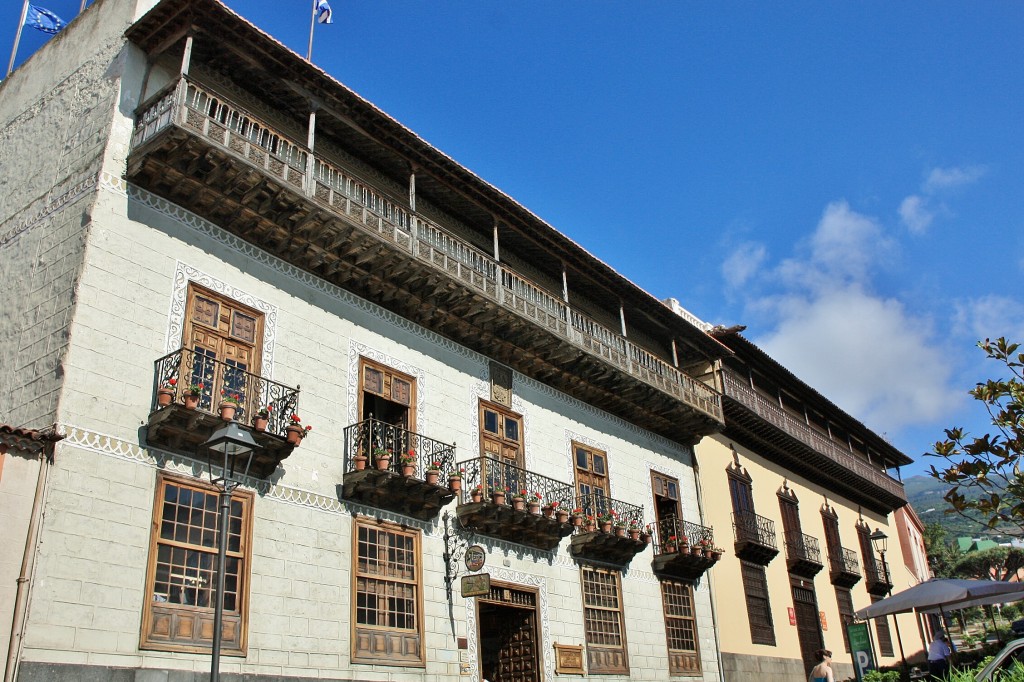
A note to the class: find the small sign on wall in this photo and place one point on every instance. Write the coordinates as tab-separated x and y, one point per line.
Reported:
824	622
792	616
476	585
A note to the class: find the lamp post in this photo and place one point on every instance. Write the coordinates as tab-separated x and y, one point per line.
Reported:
227	448
880	541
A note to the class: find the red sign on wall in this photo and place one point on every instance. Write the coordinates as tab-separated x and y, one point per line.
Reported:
792	616
824	623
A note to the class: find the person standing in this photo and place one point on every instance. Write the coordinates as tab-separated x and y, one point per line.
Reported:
823	671
938	657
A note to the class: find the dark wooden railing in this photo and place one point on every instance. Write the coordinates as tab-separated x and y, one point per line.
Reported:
754	529
199	110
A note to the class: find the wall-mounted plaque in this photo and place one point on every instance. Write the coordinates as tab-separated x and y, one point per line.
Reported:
476	585
476	557
569	659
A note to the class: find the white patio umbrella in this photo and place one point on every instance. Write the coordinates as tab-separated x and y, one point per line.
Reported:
944	594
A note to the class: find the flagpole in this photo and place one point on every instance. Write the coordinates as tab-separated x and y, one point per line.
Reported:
17	38
312	23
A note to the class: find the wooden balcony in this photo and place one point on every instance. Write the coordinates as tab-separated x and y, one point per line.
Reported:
684	550
610	542
487	503
878	580
806	451
418	488
186	421
844	570
755	538
200	151
803	555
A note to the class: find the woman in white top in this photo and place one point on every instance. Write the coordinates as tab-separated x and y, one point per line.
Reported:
823	671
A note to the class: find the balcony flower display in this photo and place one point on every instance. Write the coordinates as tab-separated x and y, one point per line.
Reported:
296	431
191	396
382	458
165	394
262	418
433	472
534	503
229	403
408	460
455	479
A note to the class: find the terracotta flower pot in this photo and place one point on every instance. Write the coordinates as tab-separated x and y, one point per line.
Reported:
260	423
359	461
606	526
431	476
634	533
498	497
518	503
476	496
164	397
669	548
190	400
620	531
408	470
548	510
294	434
455	483
562	516
382	462
577	520
589	527
227	411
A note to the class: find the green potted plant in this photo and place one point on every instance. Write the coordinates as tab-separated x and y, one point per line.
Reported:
382	458
191	397
262	418
408	460
229	403
165	394
295	431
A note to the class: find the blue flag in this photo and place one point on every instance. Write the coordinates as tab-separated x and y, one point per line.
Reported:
323	11
44	20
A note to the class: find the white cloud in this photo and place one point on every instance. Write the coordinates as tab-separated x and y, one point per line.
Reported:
914	215
948	178
990	316
743	263
864	352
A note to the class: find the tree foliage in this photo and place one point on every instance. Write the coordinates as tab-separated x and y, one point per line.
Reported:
942	556
997	563
984	472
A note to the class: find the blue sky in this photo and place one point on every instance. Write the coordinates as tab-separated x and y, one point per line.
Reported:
842	178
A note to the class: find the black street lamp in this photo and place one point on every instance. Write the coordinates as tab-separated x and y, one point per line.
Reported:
880	541
227	448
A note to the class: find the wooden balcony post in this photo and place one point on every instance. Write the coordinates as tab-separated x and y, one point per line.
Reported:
497	253
186	57
310	183
565	285
412	188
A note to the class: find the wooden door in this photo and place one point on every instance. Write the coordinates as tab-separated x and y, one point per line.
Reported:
591	479
509	650
225	339
501	443
808	627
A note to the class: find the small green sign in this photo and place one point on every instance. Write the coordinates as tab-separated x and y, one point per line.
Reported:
860	648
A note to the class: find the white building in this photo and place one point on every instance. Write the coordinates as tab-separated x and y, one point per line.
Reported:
190	203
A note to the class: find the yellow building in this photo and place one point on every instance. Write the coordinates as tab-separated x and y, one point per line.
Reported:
800	487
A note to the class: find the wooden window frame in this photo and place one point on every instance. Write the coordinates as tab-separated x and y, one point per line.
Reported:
758	601
381	640
160	619
387	391
741	490
680	625
599	654
504	413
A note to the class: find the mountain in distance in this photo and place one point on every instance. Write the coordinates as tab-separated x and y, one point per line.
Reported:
924	494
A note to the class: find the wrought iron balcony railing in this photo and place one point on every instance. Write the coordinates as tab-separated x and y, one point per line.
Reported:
195	108
672	534
802	547
488	475
372	436
877	576
184	368
844	561
737	388
601	508
754	529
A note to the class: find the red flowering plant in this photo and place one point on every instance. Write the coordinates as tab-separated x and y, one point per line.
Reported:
232	398
297	422
521	495
409	457
434	466
264	412
171	383
195	388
